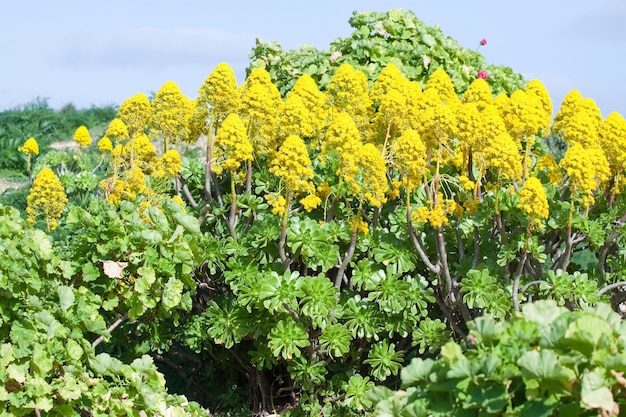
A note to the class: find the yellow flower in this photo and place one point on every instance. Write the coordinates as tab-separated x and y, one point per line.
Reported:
293	165
220	92
466	183
232	146
117	130
360	225
46	197
586	169
612	137
479	93
171	163
170	115
410	155
323	190
420	215
30	147
537	88
105	144
348	92
525	116
310	202
437	216
81	136
548	163
470	125
501	155
277	202
372	175
135	113
440	82
533	199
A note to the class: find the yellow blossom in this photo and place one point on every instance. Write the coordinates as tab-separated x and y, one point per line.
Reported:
533	199
46	197
612	137
410	154
372	175
310	202
278	203
169	115
437	216
232	146
466	183
442	84
117	130
586	168
30	147
478	93
420	215
105	144
501	155
548	164
348	92
135	113
171	163
293	165
81	136
220	92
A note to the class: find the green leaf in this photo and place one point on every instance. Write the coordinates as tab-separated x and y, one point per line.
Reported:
544	365
66	297
596	393
542	311
417	372
172	293
74	350
147	277
190	223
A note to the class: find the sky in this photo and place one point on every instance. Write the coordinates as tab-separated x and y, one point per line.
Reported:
96	52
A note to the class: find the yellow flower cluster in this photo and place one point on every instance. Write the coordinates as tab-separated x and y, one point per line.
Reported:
586	169
105	144
293	166
525	116
232	146
440	82
126	188
612	137
470	126
410	154
348	92
437	215
170	114
277	202
30	147
81	136
373	175
46	197
135	113
259	107
548	164
502	155
466	183
303	112
170	163
310	202
117	130
220	91
360	225
533	199
479	93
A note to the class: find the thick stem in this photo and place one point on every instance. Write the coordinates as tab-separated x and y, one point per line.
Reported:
249	177
346	259
610	287
192	202
445	270
418	244
476	247
283	233
516	280
112	327
232	221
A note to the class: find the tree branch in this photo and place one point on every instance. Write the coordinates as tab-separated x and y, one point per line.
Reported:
110	329
346	259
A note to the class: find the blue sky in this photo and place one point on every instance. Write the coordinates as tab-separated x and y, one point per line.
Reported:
101	52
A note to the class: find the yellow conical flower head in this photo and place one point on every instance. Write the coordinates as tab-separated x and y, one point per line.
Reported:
81	136
533	199
232	146
566	112
342	136
30	147
493	125
525	116
372	177
548	164
46	197
444	123
312	99
105	144
537	88
612	137
589	106
501	103
410	157
220	91
170	163
586	168
197	125
348	92
117	130
259	107
135	113
413	92
169	114
389	78
479	93
293	119
293	165
392	112
581	128
470	126
501	155
440	82
423	121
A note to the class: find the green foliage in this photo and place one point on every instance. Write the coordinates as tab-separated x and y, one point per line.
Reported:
379	38
545	361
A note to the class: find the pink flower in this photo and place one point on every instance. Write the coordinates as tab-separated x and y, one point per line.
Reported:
483	41
483	75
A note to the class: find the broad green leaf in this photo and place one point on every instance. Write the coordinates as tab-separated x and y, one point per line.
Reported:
596	393
418	371
74	350
544	364
66	297
147	277
172	293
542	311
